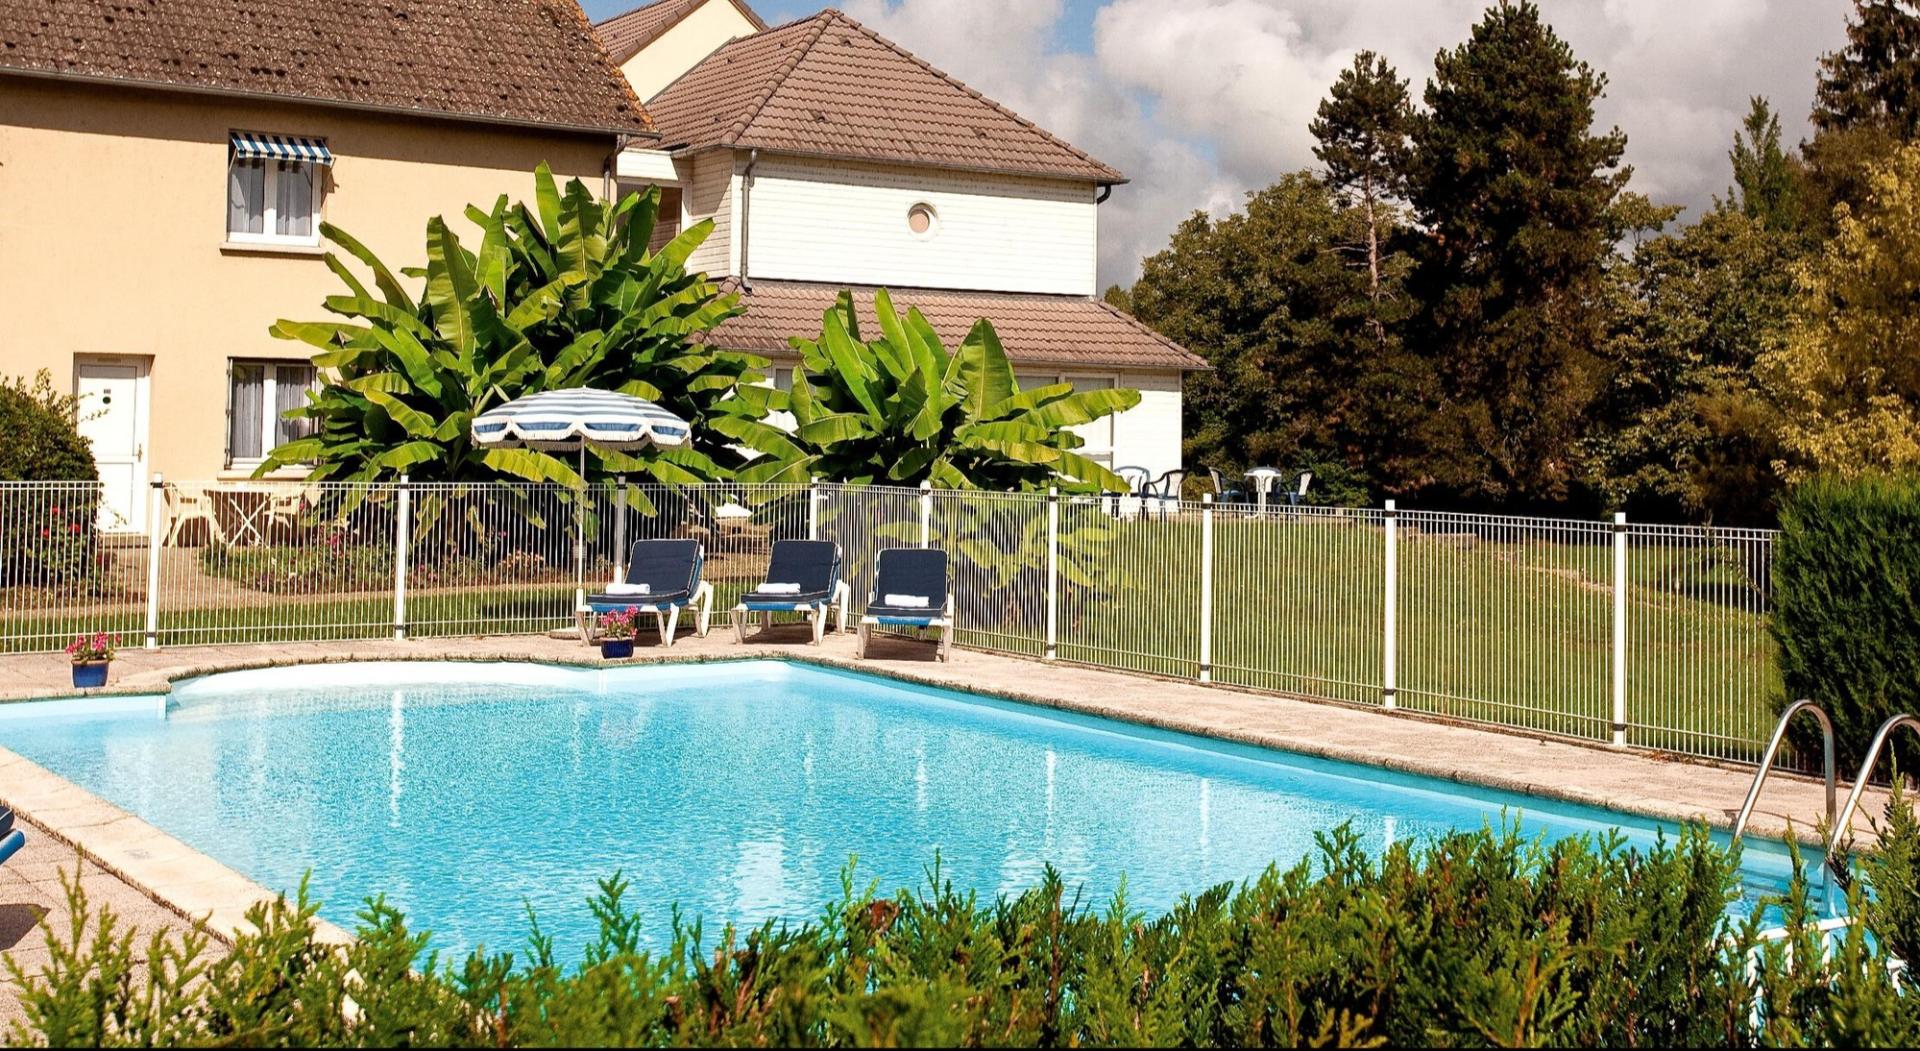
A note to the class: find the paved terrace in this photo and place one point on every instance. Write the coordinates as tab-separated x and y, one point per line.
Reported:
132	862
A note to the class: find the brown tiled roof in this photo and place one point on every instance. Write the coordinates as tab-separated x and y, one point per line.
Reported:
1035	329
530	62
625	35
829	86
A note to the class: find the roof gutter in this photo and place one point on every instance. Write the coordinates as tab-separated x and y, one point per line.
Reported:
326	103
686	150
746	218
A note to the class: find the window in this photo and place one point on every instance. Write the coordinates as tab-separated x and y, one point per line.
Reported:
1096	435
782	379
666	223
666	226
273	201
923	221
259	393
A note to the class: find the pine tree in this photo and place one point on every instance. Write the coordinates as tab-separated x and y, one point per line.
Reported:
1766	181
1362	128
1875	80
1517	194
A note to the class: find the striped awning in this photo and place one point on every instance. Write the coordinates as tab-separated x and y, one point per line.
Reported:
281	147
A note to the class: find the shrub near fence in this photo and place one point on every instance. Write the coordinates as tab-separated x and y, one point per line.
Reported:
1848	618
1562	626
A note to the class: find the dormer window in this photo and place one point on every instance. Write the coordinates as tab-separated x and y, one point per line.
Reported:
274	188
922	220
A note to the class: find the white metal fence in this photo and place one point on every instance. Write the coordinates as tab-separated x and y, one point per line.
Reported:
1648	635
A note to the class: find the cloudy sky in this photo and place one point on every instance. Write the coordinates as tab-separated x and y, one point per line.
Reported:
1200	101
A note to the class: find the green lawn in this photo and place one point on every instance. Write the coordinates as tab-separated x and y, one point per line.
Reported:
1491	626
1495	625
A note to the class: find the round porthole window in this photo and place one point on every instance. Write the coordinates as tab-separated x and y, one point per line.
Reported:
922	220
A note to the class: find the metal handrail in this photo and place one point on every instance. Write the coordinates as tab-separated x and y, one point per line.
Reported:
1911	722
1773	748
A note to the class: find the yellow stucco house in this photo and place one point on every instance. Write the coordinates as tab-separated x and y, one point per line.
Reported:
164	169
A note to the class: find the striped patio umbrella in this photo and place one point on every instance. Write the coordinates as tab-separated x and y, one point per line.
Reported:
559	420
576	418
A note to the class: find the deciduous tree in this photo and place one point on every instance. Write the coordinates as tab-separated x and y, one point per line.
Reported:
1847	379
1264	295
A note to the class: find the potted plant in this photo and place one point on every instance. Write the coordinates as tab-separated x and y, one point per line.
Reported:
90	655
616	633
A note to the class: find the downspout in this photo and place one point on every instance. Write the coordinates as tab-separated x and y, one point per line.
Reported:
612	165
1106	191
746	218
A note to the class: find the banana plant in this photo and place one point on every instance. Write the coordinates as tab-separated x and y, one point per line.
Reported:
903	408
563	294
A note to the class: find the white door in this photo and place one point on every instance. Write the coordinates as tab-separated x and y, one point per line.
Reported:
113	416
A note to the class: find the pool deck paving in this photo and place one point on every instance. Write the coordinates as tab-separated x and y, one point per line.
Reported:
130	860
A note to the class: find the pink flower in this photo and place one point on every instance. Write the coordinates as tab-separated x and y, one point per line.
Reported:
73	527
44	531
56	512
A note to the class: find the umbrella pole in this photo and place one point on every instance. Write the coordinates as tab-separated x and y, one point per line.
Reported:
580	536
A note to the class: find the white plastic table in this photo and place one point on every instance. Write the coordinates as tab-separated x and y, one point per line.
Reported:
1263	480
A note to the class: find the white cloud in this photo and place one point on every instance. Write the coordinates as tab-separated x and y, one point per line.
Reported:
1205	100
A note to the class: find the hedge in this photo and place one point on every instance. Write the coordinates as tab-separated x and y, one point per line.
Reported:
1465	939
1847	607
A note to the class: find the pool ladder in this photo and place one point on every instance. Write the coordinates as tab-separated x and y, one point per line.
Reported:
1838	821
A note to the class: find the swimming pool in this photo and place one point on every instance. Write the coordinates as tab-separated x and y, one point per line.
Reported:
738	790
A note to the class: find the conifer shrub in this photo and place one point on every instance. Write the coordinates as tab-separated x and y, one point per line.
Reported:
1846	618
1464	939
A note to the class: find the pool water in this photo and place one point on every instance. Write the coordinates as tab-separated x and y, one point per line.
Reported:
738	790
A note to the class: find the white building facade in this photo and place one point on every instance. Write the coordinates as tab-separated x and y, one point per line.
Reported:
828	157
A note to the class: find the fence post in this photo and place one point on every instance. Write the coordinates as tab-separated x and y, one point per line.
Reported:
156	533
1390	601
1206	587
1620	629
1053	572
620	527
402	530
813	507
926	513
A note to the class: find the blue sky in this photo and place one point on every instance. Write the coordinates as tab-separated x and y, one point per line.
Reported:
1203	101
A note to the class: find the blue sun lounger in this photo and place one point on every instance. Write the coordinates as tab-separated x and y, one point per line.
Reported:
910	591
662	578
11	839
803	576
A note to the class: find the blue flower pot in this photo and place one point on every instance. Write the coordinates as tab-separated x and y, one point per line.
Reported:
90	674
611	649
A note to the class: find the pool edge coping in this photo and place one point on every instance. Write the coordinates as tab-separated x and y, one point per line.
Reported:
205	892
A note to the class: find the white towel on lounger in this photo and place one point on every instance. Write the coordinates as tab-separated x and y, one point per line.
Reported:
908	601
621	587
771	588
